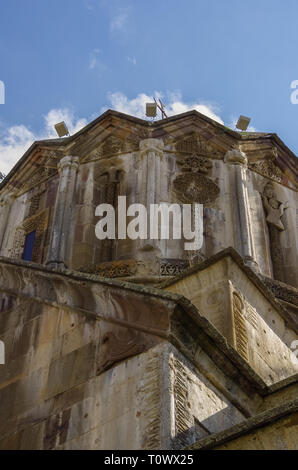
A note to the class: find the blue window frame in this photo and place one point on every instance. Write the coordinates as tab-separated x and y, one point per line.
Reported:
29	244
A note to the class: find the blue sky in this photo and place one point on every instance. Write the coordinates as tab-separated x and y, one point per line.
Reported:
71	59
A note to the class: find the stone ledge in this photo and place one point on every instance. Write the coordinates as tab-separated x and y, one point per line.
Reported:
257	280
258	421
190	318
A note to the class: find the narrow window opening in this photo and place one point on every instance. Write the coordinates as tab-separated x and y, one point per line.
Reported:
29	244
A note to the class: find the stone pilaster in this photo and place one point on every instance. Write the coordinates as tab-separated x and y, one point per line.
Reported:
147	191
237	162
67	168
149	180
5	206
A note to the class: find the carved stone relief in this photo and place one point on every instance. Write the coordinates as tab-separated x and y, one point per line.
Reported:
241	340
273	207
113	145
38	222
269	169
197	144
173	267
193	185
274	210
113	269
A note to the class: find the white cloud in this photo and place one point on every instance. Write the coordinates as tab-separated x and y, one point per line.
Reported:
95	62
93	58
173	104
136	106
132	60
13	144
16	140
119	20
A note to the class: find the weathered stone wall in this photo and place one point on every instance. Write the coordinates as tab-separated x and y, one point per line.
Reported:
51	395
236	307
32	210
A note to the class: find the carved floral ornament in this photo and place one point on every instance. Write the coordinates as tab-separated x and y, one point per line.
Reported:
268	169
193	185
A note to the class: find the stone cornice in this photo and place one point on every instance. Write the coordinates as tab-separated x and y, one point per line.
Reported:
63	145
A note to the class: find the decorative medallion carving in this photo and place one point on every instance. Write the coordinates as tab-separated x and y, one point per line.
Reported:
195	187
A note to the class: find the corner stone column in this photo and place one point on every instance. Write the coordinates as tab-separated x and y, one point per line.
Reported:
237	162
5	206
67	168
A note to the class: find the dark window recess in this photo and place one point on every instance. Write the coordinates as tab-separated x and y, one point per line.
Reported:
29	244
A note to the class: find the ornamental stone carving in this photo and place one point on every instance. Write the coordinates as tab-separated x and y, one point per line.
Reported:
173	267
241	340
112	269
195	187
273	207
196	144
111	146
268	169
197	164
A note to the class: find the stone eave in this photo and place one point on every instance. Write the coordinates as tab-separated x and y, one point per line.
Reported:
249	425
214	344
63	143
256	280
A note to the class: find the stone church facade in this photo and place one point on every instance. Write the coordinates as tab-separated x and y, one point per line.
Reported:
140	344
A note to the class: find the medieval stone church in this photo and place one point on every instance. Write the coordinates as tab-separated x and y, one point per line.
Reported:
140	344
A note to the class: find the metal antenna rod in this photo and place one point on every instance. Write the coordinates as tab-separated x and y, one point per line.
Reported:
161	107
